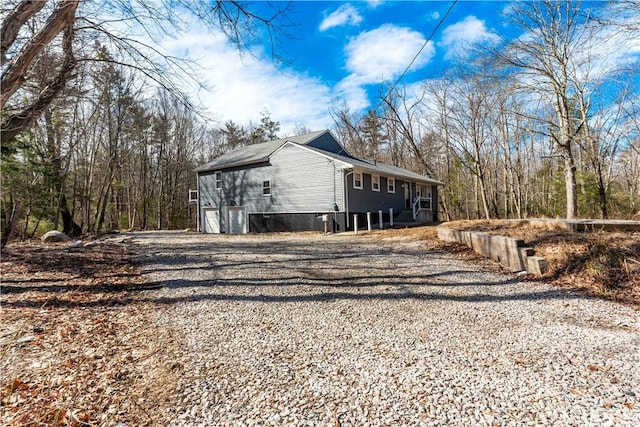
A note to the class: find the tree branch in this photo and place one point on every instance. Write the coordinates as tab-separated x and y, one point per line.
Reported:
13	76
14	21
16	123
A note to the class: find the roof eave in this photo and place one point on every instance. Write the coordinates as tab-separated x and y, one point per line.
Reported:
206	168
397	175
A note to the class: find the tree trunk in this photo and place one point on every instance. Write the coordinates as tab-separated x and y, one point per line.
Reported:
602	194
570	183
10	222
69	226
13	76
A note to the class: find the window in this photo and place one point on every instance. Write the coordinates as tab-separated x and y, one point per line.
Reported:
266	187
357	180
218	179
375	182
193	196
424	192
391	185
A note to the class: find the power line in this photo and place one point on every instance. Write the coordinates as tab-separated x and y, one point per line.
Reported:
433	33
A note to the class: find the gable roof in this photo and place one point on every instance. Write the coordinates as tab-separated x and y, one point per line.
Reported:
256	153
259	153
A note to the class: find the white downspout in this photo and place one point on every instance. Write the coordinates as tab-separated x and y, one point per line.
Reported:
346	195
198	203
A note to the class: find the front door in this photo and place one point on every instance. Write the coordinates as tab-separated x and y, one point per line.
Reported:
407	195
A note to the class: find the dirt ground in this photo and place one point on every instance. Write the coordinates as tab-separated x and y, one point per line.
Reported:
75	348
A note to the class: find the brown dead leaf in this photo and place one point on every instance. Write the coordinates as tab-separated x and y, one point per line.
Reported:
84	309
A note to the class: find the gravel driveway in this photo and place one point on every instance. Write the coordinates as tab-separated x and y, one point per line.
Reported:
338	330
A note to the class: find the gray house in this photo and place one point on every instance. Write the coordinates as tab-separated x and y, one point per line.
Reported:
301	182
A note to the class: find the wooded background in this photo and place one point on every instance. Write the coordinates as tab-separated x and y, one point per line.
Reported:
97	136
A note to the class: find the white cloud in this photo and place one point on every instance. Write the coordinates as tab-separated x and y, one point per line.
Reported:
344	15
461	34
607	53
384	53
435	15
374	3
242	87
351	92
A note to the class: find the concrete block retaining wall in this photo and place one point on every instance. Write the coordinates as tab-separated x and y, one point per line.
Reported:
508	251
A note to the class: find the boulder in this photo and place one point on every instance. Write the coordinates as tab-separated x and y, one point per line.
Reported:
55	236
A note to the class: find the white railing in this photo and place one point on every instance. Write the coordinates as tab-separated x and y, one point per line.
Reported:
420	204
416	207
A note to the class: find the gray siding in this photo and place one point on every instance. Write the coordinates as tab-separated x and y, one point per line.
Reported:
241	186
301	181
304	181
367	200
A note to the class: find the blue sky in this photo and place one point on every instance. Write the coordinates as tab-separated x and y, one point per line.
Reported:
338	52
331	28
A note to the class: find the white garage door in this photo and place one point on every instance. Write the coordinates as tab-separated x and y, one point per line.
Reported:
211	221
237	223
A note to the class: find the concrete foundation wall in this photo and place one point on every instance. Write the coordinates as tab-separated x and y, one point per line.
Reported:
278	222
508	251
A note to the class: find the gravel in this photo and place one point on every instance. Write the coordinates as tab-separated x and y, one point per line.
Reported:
343	330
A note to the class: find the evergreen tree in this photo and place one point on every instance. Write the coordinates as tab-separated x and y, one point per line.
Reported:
374	136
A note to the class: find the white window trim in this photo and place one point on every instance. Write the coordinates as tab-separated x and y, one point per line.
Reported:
372	187
358	187
263	188
217	181
389	189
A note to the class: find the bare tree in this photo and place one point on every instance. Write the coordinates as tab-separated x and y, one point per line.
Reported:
548	58
63	23
403	112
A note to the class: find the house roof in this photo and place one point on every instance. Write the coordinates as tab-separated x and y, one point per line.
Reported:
259	153
255	153
379	168
247	155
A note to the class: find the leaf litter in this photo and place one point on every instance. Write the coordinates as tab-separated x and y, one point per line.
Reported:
76	346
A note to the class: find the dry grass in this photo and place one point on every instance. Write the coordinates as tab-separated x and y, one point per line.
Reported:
600	264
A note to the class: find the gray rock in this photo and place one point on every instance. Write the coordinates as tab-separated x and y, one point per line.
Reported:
76	244
55	236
